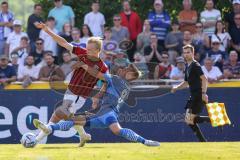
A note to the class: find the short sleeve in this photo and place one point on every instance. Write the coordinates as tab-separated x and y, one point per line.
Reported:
173	73
8	39
202	18
180	16
167	18
225	66
36	73
104	68
219	16
103	20
218	72
198	69
71	13
108	78
13	72
86	19
20	72
50	13
228	36
79	51
195	15
139	38
41	34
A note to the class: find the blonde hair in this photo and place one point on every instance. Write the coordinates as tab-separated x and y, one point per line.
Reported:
97	41
189	46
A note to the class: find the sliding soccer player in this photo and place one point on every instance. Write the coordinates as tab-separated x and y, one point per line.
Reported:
197	82
117	92
81	83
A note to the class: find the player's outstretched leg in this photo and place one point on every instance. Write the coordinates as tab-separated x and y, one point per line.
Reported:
131	135
46	129
62	126
60	113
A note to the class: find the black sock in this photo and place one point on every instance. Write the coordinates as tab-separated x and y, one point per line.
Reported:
198	132
201	119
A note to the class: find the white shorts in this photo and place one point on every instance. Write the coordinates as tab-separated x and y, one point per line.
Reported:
77	101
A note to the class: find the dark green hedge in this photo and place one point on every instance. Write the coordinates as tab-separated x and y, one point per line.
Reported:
142	7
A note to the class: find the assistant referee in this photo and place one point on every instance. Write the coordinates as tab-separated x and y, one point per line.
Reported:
197	82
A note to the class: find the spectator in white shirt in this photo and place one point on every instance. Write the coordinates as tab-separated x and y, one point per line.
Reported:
95	20
22	50
177	72
209	17
49	43
213	73
14	38
28	72
223	36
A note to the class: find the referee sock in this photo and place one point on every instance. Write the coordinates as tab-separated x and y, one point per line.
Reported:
201	119
196	130
62	125
131	135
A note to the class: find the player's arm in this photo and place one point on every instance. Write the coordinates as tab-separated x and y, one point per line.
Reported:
204	83
61	41
182	85
204	88
98	96
93	72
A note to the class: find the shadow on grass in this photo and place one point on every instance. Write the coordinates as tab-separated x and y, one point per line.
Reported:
63	147
70	147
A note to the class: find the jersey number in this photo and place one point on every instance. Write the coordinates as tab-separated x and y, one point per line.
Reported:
123	96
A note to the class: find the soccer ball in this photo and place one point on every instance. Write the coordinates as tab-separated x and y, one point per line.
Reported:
28	140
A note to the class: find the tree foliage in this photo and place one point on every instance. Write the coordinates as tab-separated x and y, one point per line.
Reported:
142	7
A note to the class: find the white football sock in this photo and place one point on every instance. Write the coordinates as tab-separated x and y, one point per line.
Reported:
42	135
80	130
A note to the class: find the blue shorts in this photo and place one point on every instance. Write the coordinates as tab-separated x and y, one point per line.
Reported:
103	120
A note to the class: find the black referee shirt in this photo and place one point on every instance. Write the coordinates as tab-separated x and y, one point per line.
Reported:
193	73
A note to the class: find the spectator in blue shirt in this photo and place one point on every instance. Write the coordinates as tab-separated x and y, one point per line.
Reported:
160	21
7	73
62	14
6	24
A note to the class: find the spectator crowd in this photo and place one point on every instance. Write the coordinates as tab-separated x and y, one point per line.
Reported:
154	44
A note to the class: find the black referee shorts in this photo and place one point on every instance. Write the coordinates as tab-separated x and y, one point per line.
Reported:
195	103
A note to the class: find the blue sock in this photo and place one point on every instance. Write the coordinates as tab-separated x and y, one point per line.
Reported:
131	135
62	125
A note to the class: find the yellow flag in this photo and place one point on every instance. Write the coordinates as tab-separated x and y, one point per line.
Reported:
217	114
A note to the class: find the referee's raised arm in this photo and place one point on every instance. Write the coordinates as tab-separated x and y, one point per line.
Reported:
61	41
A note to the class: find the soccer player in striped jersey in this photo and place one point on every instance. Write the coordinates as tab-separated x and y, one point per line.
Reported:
81	83
117	92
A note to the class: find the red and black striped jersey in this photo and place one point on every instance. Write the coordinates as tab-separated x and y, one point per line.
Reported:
82	82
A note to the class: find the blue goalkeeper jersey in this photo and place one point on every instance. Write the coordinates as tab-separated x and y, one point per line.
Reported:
116	93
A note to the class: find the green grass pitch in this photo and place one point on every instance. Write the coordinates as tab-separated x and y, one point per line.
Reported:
123	151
